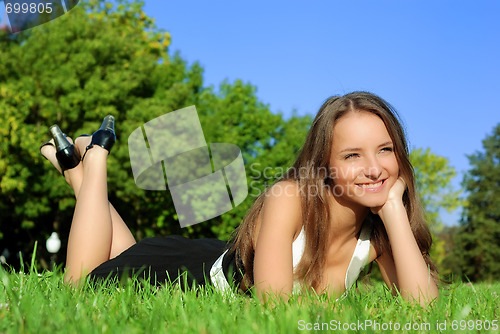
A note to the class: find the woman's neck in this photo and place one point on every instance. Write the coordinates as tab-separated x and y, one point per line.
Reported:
346	220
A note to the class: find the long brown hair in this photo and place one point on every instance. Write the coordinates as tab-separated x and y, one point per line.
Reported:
310	171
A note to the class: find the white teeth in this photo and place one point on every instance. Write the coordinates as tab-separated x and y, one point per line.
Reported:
371	185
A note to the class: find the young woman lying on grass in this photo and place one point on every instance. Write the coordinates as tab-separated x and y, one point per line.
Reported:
349	199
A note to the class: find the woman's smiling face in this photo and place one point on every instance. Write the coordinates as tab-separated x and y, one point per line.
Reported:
363	165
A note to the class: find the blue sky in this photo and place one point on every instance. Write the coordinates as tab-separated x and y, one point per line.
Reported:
437	62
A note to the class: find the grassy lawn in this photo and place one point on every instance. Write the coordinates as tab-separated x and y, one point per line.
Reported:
42	303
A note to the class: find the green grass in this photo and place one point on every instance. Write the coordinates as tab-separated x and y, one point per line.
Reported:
42	303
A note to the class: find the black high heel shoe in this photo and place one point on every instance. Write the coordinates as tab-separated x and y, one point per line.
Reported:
105	136
67	154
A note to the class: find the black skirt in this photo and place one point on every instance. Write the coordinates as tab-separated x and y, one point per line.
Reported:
165	259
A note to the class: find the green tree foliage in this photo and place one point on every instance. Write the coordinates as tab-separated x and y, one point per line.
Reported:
477	241
433	176
102	59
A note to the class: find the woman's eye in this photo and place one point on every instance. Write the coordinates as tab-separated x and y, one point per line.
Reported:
387	149
350	156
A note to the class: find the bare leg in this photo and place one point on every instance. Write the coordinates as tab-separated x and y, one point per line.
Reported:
91	231
102	234
122	238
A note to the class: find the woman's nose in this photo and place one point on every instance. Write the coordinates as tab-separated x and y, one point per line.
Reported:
372	168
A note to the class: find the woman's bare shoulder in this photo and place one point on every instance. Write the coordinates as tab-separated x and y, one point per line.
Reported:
282	208
285	198
284	188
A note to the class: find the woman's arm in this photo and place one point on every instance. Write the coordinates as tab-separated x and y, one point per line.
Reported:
281	221
406	269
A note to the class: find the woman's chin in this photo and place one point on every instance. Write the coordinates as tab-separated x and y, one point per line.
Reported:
372	206
364	200
373	203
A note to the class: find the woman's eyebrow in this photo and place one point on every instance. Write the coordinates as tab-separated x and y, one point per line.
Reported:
354	149
387	143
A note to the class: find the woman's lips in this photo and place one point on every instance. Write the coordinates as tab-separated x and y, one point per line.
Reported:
372	187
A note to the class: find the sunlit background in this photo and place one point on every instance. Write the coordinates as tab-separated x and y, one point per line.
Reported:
436	62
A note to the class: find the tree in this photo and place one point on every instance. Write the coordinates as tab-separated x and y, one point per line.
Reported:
73	71
477	241
433	177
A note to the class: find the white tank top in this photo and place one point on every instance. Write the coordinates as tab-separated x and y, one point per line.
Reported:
359	259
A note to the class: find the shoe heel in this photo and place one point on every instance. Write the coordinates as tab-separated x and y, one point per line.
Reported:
67	155
108	124
105	136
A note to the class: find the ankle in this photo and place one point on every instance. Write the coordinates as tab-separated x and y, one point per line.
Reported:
95	159
96	152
